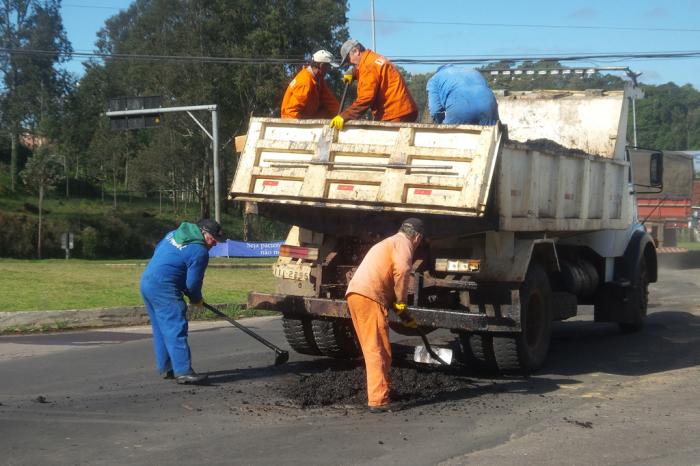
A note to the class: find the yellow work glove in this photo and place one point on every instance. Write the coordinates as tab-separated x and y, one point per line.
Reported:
337	122
347	77
407	319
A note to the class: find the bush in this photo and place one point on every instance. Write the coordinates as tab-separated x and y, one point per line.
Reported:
89	242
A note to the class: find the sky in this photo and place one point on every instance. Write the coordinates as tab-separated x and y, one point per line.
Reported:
445	28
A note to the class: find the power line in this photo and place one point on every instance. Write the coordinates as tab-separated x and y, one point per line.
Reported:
164	58
96	7
524	25
402	60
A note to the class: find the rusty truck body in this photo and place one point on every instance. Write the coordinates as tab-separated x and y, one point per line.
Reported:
525	221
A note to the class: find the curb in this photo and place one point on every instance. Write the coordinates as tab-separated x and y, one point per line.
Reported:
73	318
29	321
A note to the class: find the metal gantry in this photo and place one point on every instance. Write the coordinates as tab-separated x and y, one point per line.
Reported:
213	135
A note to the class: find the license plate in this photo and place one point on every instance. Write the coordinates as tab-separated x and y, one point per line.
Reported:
301	272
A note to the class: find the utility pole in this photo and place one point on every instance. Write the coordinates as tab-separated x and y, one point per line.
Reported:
374	38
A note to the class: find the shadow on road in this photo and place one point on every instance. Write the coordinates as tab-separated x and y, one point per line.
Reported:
668	341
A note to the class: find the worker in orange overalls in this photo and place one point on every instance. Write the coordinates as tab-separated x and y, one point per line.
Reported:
380	87
308	95
381	283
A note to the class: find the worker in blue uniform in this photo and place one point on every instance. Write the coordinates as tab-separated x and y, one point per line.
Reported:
459	95
176	269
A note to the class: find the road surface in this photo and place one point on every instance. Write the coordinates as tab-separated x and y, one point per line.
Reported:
92	397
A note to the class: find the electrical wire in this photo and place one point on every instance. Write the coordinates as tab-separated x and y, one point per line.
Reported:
523	25
400	60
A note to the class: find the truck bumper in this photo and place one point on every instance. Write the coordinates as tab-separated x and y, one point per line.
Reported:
495	318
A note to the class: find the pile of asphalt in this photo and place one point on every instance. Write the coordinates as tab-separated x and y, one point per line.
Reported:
546	145
348	386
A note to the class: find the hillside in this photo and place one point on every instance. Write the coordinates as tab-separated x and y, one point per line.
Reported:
101	230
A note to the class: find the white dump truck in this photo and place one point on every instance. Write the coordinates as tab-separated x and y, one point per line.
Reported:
525	220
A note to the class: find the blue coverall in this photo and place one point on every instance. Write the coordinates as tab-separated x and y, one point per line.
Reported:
175	269
458	95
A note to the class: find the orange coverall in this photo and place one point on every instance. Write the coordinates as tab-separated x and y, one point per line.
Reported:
381	88
379	281
308	96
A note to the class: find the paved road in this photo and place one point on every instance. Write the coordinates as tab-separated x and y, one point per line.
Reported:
92	398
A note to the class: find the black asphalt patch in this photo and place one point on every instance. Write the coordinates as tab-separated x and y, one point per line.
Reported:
348	386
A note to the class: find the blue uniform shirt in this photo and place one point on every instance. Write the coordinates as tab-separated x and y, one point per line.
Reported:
458	95
177	268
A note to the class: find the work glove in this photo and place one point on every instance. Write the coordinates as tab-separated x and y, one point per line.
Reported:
347	77
197	306
407	319
337	122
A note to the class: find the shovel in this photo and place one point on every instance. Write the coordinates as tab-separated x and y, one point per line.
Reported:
427	355
281	356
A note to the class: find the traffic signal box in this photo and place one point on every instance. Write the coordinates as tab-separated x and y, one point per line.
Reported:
134	122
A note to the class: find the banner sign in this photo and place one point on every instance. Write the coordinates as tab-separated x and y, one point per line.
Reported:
246	249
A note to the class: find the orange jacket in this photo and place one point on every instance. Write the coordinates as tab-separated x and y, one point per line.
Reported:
380	87
308	97
384	272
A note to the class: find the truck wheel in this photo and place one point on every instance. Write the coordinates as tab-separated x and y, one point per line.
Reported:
638	301
300	335
526	351
477	351
335	338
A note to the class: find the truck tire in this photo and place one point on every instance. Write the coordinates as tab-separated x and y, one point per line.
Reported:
335	338
300	336
526	351
477	351
638	301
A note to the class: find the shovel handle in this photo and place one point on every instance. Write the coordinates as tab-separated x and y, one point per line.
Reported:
243	328
342	99
429	349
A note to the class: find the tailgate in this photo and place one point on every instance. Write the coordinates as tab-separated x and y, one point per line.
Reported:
403	167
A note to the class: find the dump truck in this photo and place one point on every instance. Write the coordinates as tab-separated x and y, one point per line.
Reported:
525	221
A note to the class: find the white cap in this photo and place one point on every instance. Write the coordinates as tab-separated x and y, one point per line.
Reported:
324	56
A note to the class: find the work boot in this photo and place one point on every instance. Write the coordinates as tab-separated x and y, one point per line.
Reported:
386	408
192	378
169	374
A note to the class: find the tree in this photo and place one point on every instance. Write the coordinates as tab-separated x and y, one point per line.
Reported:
178	156
32	85
42	172
417	86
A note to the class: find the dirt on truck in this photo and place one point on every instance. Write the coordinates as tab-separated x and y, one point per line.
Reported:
525	221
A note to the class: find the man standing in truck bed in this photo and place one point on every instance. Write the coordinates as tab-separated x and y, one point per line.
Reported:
380	283
308	95
380	87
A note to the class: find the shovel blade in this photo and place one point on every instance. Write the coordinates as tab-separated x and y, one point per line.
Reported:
420	354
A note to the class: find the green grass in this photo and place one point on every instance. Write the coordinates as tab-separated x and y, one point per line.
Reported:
55	284
689	246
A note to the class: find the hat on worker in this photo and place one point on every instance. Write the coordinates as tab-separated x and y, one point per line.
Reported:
213	228
415	224
324	56
346	48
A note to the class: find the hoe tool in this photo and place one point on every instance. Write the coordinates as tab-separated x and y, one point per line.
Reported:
281	356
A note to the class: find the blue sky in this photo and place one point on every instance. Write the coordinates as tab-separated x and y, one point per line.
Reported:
420	28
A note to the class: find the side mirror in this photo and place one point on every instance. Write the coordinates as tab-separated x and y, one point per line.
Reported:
656	170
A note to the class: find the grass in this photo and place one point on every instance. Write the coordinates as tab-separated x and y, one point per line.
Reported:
55	284
689	246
